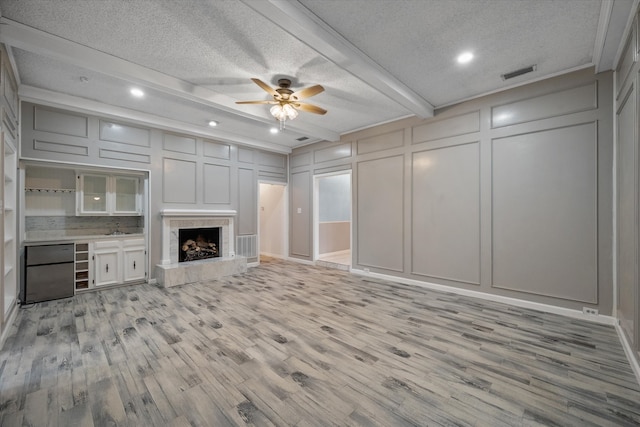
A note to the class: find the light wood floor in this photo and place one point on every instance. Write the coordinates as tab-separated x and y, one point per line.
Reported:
292	344
342	257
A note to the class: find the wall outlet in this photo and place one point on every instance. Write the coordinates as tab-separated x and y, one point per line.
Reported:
590	311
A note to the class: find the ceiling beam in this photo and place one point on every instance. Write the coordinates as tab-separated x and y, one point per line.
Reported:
301	23
39	42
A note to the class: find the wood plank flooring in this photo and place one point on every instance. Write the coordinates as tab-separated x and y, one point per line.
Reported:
288	344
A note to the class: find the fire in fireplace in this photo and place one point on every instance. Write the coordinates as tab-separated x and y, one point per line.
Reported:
199	243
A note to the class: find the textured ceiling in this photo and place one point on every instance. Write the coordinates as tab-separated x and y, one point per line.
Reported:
379	60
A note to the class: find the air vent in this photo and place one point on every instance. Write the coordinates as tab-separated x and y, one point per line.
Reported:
516	73
302	138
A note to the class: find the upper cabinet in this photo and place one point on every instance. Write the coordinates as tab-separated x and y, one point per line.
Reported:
98	194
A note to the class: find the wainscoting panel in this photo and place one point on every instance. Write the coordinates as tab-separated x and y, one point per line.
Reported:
446	211
124	155
179	143
55	147
332	153
217	150
627	255
125	134
545	213
60	122
380	214
302	159
381	142
247	202
217	184
453	126
179	181
555	104
300	240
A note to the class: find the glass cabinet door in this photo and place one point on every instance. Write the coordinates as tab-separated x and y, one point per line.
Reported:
94	193
126	193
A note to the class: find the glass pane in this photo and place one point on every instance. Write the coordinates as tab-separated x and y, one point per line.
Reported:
94	193
126	191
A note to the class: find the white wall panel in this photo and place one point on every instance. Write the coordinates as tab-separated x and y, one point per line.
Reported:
380	213
179	181
216	150
179	143
545	213
125	134
217	184
445	213
60	122
554	104
445	128
386	141
300	240
627	226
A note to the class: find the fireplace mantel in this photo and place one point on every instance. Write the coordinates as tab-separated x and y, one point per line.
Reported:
174	219
196	212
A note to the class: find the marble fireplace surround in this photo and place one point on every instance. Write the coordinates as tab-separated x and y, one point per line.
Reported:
172	273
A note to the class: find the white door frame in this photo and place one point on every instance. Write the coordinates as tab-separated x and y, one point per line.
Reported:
316	209
285	219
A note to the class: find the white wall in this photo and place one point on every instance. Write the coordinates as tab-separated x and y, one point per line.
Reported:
272	219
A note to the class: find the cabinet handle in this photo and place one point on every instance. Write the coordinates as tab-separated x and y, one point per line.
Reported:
134	265
107	268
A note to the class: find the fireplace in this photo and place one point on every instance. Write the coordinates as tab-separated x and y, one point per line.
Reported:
173	271
199	243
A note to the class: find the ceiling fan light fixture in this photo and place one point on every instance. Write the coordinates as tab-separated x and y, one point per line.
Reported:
282	112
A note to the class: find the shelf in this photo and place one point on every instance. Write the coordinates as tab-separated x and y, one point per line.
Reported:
50	190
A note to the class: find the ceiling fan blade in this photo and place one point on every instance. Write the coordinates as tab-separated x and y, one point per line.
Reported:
256	102
307	92
310	108
266	87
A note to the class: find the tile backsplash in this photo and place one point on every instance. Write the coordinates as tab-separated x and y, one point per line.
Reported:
42	227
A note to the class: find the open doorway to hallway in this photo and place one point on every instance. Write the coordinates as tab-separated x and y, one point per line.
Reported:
332	219
273	220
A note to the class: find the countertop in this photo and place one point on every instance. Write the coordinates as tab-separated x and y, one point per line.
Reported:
40	240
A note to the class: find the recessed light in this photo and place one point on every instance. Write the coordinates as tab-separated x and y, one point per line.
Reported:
465	57
138	93
274	130
213	123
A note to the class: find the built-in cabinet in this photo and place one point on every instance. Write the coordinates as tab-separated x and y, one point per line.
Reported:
99	194
118	261
81	266
9	136
10	268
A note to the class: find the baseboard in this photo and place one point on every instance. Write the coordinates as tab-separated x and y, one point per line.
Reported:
628	350
153	281
279	256
253	264
301	261
336	253
568	312
8	325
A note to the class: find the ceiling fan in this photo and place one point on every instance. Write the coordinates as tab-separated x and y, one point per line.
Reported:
286	102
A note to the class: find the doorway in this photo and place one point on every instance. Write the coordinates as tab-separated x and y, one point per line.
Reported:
332	218
272	227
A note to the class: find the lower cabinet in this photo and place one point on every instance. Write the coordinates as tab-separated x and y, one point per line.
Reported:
106	265
134	256
118	261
